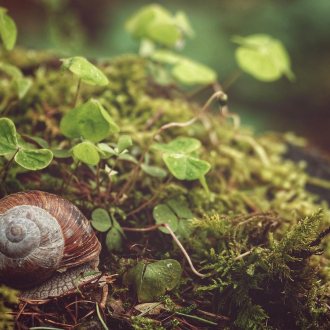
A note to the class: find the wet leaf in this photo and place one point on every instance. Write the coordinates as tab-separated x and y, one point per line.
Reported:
34	159
8	137
153	280
85	70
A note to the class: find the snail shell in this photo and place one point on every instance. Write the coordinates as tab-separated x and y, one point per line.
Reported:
41	234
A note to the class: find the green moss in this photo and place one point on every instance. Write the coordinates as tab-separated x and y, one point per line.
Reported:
254	232
8	297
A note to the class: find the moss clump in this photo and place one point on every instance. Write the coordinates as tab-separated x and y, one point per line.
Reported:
257	233
8	297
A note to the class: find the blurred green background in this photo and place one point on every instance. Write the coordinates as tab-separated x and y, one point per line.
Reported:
96	29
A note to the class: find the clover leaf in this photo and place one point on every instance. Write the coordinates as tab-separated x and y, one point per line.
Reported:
101	220
34	159
179	145
173	212
150	281
8	30
263	57
85	70
86	152
184	70
89	120
180	159
156	23
189	72
21	84
185	167
8	137
30	159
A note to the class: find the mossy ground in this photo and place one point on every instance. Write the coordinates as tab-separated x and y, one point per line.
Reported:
258	233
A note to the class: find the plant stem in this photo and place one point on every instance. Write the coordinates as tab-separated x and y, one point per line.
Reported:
77	93
176	240
5	169
67	183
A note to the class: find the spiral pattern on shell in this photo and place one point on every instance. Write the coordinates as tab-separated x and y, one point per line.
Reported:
41	233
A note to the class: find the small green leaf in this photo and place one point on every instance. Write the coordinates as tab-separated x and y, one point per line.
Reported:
124	142
62	153
154	280
23	85
101	220
86	152
185	167
8	137
106	151
189	72
8	30
179	145
166	34
165	56
114	240
154	171
163	214
183	23
156	23
34	159
263	57
11	70
89	120
85	70
174	212
180	208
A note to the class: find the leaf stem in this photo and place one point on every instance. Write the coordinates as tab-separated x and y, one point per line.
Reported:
77	93
5	169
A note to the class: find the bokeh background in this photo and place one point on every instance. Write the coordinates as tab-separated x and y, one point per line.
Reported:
96	29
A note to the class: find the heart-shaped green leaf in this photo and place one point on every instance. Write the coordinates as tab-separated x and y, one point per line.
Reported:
85	70
101	220
89	120
86	152
174	212
153	280
179	145
189	72
8	137
263	57
34	159
8	30
185	167
163	214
